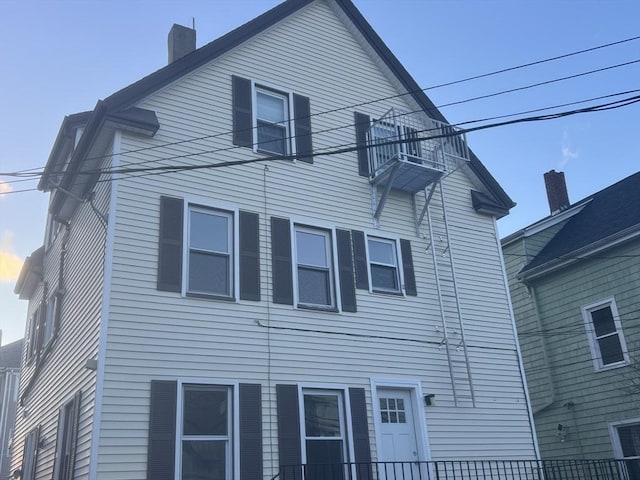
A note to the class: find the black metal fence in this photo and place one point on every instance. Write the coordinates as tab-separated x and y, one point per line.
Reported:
605	469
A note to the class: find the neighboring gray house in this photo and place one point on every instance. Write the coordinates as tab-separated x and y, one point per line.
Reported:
574	278
310	273
10	359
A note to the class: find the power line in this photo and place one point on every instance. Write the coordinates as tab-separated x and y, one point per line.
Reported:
467	79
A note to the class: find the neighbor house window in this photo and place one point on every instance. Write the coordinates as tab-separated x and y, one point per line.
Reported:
627	446
206	432
606	340
325	442
210	252
383	265
272	121
51	313
314	266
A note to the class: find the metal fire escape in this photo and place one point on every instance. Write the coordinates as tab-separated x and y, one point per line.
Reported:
413	154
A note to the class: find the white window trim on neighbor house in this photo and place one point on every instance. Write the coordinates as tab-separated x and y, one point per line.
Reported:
615	437
287	96
222	209
343	394
388	239
51	310
300	224
420	421
598	365
233	454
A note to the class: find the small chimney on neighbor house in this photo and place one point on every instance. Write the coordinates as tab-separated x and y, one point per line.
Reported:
556	191
182	40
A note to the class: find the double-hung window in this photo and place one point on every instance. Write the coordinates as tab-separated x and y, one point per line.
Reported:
314	267
606	340
325	441
50	318
383	265
272	121
30	454
68	418
206	432
210	252
626	442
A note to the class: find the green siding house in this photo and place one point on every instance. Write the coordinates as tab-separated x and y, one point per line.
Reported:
574	279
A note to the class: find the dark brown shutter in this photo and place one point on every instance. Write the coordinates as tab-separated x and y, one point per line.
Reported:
162	430
360	258
360	429
73	437
289	446
407	266
170	244
302	121
362	126
249	256
281	261
250	427
345	271
242	117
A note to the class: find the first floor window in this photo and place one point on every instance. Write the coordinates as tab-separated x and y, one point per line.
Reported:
272	121
67	436
324	434
383	264
205	432
30	454
314	261
605	331
210	252
629	446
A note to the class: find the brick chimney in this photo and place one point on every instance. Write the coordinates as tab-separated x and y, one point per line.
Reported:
182	40
556	191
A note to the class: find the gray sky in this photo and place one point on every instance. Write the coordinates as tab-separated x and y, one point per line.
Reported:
59	57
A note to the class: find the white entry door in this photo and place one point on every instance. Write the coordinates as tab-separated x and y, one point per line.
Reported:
398	452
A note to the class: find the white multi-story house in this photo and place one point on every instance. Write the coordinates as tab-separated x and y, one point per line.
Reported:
274	251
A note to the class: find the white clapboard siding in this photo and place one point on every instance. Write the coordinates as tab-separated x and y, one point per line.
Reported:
63	371
160	335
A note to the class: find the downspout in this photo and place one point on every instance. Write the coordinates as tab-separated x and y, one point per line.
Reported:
545	356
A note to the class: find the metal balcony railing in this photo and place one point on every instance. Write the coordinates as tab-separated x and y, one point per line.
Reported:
605	469
412	150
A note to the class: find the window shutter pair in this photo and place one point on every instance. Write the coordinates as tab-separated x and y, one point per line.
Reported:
289	441
360	257
162	430
170	249
243	119
282	265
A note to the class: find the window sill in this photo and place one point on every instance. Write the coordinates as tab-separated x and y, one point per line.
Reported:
387	292
612	366
318	308
206	296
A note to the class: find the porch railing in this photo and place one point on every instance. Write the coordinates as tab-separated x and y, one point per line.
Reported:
605	469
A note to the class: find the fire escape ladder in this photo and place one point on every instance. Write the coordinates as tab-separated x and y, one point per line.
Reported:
453	341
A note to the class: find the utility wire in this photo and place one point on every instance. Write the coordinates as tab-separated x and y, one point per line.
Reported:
467	79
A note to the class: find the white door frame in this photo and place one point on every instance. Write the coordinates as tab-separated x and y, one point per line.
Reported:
414	388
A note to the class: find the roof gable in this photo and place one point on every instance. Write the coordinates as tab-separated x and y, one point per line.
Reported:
497	201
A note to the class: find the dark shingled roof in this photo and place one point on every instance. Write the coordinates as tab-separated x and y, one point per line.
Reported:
11	354
608	212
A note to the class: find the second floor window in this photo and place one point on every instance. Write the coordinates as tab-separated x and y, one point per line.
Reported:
383	264
314	261
607	343
210	255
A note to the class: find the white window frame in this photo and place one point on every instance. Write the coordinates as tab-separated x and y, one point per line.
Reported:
390	239
276	91
51	315
30	454
346	422
593	340
233	454
52	230
615	438
315	227
221	209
